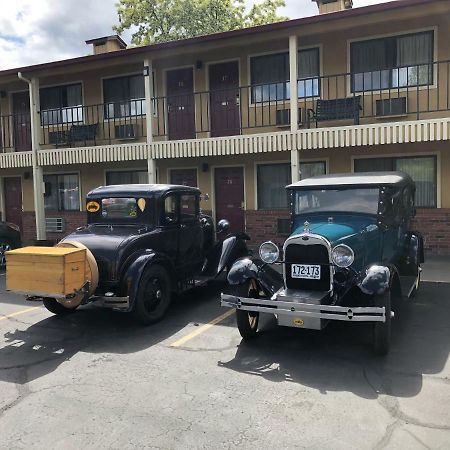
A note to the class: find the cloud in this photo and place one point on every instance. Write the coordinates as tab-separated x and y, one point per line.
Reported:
37	31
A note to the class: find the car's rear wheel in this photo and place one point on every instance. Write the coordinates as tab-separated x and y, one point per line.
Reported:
5	245
154	296
57	308
247	321
382	330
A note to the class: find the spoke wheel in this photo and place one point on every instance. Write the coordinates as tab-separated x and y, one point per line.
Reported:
154	296
4	247
247	321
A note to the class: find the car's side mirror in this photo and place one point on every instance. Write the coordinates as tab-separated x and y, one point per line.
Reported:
223	226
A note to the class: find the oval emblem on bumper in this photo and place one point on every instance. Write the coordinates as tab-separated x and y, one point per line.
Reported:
298	322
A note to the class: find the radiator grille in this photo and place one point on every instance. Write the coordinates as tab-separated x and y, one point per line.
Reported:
308	254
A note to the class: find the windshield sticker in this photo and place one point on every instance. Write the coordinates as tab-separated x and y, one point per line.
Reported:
141	204
93	207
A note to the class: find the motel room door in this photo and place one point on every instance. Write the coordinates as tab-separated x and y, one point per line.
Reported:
224	87
180	104
13	200
21	121
229	196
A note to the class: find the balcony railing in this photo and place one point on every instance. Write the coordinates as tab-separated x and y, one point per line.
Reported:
410	92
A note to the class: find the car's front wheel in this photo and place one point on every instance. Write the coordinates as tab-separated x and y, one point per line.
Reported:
382	330
154	296
247	321
56	308
5	246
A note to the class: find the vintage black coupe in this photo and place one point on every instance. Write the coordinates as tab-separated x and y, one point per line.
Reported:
144	243
350	255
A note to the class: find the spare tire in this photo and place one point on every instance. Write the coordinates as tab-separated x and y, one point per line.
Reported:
91	273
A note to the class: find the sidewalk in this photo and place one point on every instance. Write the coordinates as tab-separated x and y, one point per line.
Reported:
436	269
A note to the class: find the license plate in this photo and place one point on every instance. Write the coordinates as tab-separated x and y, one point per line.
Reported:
305	271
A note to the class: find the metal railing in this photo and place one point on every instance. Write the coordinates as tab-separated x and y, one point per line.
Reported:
412	92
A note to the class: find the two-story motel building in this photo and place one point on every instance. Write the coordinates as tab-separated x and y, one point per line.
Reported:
373	93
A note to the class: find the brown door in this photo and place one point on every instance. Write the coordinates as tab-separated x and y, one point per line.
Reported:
13	200
184	177
21	120
180	104
229	193
224	87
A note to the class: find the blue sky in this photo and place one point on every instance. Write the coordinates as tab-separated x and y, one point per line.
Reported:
35	31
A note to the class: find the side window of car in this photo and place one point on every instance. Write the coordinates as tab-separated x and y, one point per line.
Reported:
170	209
189	208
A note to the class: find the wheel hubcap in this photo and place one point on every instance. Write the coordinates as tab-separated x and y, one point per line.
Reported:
153	294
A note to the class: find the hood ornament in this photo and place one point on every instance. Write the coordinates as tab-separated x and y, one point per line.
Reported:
306	228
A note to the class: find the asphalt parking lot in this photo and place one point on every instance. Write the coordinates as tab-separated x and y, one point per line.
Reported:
97	380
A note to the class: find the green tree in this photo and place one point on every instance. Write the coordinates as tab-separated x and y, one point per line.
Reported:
166	20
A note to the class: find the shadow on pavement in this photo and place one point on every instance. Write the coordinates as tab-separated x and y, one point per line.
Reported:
340	358
41	348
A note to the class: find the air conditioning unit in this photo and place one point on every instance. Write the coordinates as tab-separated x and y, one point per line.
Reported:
55	224
283	117
391	107
125	131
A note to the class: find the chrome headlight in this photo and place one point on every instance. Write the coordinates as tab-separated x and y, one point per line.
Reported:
342	255
269	252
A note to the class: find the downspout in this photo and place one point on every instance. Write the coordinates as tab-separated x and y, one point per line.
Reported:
38	193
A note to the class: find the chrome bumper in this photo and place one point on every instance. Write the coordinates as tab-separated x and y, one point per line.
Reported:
291	307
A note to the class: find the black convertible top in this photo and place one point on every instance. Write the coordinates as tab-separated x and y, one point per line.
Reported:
139	190
354	179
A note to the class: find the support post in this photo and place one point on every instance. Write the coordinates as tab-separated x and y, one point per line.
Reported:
293	76
149	94
151	168
295	166
38	175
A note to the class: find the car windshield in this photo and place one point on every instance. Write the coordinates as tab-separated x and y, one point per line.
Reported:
364	200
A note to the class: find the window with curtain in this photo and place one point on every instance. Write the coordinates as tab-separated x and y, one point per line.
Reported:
422	169
312	169
61	104
392	62
124	96
127	177
270	76
62	192
272	180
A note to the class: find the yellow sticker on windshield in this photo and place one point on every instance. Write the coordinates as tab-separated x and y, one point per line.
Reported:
141	203
93	207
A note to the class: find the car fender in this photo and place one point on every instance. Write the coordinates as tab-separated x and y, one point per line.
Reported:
377	279
416	248
224	253
247	268
131	278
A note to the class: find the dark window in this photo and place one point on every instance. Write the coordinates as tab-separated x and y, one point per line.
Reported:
392	62
270	76
124	96
188	207
312	169
62	192
422	169
272	182
170	209
61	104
127	177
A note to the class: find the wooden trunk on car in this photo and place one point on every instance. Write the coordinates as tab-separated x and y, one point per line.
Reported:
46	271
